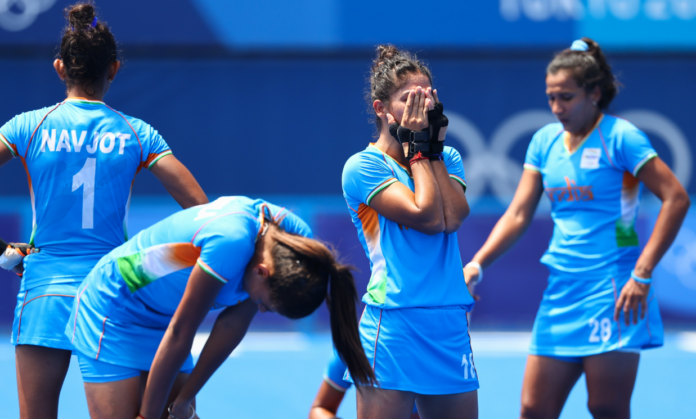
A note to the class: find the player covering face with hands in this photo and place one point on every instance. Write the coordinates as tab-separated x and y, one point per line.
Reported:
406	196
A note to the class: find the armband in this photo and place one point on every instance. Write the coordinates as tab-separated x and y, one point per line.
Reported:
646	281
12	256
479	268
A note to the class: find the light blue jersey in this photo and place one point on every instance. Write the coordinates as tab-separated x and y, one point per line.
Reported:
409	268
125	304
81	159
594	194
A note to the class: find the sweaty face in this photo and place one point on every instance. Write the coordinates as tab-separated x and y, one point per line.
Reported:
570	103
398	98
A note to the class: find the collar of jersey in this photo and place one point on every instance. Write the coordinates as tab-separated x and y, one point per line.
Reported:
565	136
391	158
84	101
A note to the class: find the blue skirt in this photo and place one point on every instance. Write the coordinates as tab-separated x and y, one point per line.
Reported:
421	350
576	317
41	315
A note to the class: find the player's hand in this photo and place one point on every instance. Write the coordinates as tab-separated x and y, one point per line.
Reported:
181	410
415	115
471	276
11	257
633	298
435	99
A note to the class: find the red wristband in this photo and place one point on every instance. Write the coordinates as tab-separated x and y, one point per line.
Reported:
418	157
140	417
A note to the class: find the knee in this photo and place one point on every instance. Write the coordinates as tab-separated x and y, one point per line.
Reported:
608	410
531	410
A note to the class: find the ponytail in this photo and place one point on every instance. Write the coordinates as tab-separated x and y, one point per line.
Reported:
344	327
304	271
590	69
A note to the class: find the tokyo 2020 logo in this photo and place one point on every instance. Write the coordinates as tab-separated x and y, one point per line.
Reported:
17	15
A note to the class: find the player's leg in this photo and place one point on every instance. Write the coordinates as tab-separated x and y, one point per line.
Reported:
112	391
547	383
376	403
176	388
448	406
610	379
42	350
114	399
40	375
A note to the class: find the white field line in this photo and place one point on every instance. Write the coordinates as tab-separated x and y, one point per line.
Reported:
260	342
500	343
483	343
686	341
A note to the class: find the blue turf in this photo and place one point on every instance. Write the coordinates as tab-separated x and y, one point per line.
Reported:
277	375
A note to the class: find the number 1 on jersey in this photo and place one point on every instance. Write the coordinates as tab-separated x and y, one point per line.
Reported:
85	178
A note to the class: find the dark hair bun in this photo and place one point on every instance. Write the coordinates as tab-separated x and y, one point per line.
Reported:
88	47
385	53
81	16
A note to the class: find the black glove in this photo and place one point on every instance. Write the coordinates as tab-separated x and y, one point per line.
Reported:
436	120
418	141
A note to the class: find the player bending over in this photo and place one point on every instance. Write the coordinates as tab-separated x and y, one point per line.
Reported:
137	312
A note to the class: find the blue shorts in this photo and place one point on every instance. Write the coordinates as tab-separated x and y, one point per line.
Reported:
96	335
41	315
421	350
95	371
576	318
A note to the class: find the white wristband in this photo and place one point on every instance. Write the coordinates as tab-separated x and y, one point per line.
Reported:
478	267
10	257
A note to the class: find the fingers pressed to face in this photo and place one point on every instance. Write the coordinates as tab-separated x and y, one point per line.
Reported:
435	96
417	102
430	99
408	110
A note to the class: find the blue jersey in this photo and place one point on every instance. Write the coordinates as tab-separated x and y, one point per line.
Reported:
125	304
146	277
594	194
81	159
408	268
334	372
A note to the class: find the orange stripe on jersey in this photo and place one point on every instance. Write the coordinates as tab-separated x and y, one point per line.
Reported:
370	222
184	254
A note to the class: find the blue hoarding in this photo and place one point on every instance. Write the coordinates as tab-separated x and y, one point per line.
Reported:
346	24
241	125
